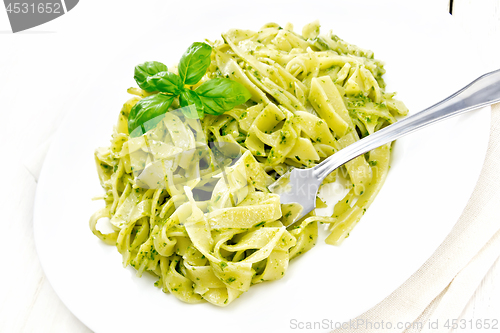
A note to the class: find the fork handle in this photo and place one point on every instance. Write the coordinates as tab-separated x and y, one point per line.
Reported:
483	91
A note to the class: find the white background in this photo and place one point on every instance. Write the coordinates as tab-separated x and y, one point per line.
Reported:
39	79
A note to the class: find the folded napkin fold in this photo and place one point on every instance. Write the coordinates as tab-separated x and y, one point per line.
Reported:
438	292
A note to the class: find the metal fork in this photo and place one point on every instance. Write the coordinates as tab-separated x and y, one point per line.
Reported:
301	185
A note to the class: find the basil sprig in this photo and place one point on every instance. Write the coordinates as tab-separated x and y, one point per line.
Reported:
214	96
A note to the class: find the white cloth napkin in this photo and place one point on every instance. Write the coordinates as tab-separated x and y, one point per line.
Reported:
438	292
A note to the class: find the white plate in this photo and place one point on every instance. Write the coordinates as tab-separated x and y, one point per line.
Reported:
432	176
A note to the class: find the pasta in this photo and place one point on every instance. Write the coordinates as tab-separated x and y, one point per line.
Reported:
187	200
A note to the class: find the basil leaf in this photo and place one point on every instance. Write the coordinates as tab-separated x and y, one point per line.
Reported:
220	95
146	113
189	97
145	70
194	63
166	82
